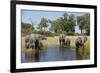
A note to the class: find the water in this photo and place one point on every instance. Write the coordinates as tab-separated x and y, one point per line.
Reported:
52	53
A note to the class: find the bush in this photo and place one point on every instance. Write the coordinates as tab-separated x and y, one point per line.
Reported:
26	29
70	33
46	33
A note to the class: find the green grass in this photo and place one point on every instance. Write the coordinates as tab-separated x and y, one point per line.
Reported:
85	51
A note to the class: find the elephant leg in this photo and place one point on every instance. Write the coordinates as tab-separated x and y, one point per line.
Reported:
69	43
27	45
60	42
32	46
63	42
83	50
66	44
77	48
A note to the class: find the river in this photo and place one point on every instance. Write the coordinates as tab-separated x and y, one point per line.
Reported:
52	53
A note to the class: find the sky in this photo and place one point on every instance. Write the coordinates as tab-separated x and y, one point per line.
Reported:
35	16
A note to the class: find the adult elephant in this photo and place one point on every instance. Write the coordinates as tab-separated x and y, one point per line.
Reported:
80	42
34	41
30	41
67	42
62	40
38	41
27	41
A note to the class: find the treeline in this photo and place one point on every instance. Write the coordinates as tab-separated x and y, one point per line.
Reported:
63	25
26	29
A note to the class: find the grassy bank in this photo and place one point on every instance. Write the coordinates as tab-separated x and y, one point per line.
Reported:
55	41
84	52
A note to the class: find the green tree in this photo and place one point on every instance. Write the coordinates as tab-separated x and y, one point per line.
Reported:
26	28
84	23
72	23
43	24
69	23
32	24
55	26
65	24
87	24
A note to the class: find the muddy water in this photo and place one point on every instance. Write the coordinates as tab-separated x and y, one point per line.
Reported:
52	53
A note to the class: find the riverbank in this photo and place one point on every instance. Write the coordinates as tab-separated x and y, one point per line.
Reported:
55	41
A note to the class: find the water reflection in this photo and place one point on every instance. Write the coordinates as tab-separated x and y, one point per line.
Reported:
31	56
79	56
52	53
37	55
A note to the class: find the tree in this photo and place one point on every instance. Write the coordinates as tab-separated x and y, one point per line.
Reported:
43	24
55	26
65	16
72	23
87	24
81	24
84	23
69	23
26	28
32	24
64	24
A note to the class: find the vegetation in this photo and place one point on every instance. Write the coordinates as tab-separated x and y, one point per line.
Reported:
84	23
26	29
43	24
63	25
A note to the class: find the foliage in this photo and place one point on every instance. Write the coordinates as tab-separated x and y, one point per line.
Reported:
43	24
26	28
84	23
64	24
46	33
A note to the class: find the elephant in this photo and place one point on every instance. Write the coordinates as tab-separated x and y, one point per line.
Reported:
67	42
80	42
34	41
37	46
38	41
27	42
62	40
43	37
